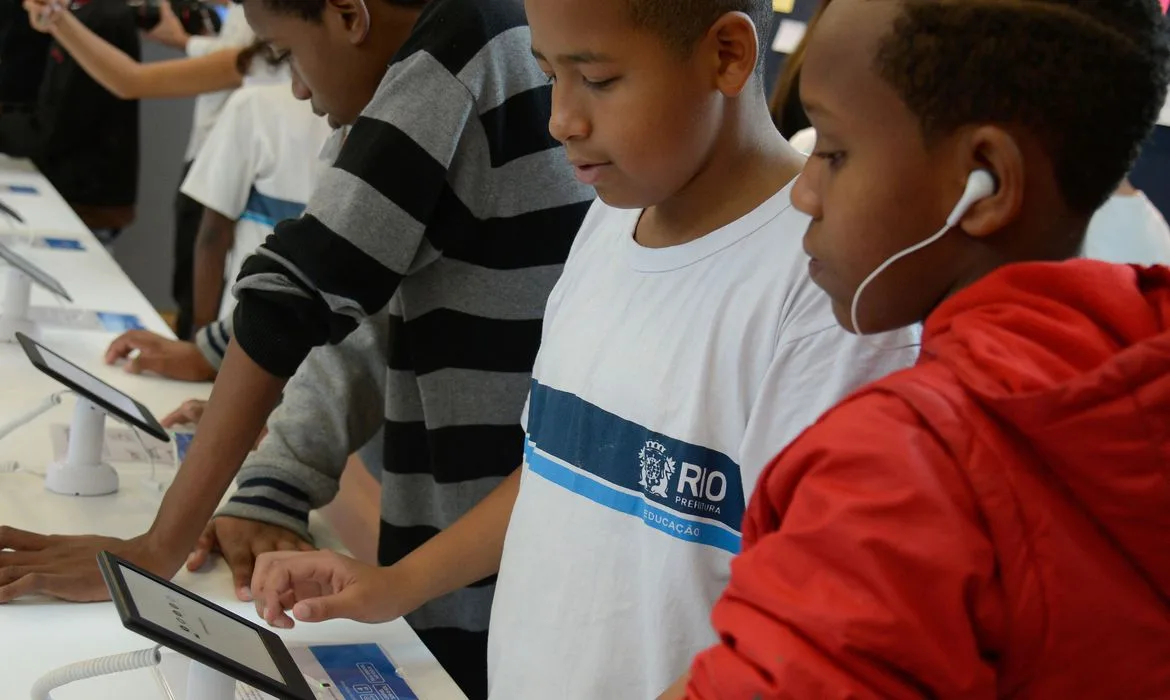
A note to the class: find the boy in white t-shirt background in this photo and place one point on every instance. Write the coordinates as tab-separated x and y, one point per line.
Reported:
258	167
682	347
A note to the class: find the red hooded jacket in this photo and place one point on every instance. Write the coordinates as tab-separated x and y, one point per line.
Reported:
991	523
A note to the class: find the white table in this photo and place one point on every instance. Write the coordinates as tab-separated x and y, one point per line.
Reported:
39	635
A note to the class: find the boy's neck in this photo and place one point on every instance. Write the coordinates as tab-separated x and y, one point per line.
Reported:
392	25
748	165
1046	235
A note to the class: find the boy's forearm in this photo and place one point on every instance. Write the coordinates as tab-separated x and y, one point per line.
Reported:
243	396
212	246
468	551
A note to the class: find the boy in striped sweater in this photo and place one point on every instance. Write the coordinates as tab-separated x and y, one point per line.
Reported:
450	203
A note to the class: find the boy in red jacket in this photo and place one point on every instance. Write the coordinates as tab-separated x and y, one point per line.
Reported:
995	521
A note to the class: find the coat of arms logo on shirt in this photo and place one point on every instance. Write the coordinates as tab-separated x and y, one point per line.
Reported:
657	468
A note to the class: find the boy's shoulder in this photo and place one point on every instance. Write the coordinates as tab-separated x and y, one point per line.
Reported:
454	32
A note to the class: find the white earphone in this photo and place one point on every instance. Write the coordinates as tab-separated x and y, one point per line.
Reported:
980	185
366	16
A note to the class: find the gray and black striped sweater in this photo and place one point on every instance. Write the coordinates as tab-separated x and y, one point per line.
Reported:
451	206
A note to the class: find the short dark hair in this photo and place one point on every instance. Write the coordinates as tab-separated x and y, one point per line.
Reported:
1086	78
681	23
311	10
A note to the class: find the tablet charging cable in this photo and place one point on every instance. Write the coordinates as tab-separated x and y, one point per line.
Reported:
46	405
146	658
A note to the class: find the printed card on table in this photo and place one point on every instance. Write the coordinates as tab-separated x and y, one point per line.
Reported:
36	240
83	319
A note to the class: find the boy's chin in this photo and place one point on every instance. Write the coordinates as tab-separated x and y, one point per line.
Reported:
841	313
617	199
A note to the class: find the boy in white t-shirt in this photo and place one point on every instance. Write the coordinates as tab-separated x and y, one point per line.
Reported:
682	347
258	167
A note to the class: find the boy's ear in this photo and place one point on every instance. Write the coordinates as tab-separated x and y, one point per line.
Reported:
736	50
996	150
352	17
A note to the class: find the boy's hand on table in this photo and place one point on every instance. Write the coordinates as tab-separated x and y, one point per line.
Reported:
65	566
150	352
241	541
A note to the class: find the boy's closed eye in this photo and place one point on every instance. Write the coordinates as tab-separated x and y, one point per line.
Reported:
834	158
588	82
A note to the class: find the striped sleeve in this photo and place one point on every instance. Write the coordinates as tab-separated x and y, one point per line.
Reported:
212	340
366	225
332	407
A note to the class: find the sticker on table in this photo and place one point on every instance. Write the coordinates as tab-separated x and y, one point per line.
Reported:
41	241
119	323
62	243
66	318
182	444
358	672
340	672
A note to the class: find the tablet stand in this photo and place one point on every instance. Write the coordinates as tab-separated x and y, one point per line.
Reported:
204	683
14	314
83	473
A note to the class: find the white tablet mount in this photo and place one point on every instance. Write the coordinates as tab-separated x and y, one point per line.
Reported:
205	683
83	473
14	313
18	279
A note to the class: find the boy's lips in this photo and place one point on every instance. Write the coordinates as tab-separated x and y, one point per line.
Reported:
814	268
589	172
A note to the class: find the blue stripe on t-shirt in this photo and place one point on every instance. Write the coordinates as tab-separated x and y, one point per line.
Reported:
690	492
270	211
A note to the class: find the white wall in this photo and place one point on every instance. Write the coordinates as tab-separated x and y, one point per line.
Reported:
145	248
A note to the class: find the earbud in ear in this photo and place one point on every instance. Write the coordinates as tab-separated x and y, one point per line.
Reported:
980	185
365	10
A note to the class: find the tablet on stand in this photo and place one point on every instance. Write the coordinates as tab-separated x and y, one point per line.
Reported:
18	279
224	648
83	473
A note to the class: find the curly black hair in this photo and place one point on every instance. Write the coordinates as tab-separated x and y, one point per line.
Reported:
1086	78
681	23
312	9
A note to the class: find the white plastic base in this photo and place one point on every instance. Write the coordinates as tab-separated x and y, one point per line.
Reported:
14	313
9	327
205	683
83	473
183	679
93	480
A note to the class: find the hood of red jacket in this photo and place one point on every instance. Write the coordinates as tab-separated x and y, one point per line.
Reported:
1075	358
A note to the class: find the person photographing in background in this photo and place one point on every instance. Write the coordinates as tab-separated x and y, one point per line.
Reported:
209	73
82	138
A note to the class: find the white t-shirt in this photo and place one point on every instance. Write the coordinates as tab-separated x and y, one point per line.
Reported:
1164	118
234	33
1130	230
666	380
259	166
